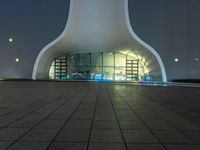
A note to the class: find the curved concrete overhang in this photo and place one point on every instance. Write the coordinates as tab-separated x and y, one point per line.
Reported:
97	26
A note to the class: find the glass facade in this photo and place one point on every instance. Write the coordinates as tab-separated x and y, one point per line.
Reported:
96	66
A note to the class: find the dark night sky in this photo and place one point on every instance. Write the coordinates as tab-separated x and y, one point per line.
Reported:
172	27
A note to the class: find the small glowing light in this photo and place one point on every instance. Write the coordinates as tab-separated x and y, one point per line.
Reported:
176	60
17	60
146	70
10	40
196	59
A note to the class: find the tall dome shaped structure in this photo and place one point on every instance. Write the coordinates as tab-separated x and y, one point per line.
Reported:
98	43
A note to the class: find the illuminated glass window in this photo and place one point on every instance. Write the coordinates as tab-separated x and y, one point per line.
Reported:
96	59
98	66
120	60
84	59
108	59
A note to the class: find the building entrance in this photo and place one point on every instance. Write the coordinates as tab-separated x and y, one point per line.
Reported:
98	66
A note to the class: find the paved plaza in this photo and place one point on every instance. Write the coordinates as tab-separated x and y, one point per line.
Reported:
98	116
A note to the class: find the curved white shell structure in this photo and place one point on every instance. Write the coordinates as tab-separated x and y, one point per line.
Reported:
97	26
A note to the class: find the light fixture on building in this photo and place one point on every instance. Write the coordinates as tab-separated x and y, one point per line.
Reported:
196	59
17	60
176	60
10	40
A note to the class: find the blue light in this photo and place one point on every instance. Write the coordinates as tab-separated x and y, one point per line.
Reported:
148	78
98	77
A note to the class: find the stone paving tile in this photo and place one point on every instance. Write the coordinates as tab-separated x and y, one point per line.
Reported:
4	144
7	120
59	116
171	113
106	136
126	116
40	135
194	135
139	136
107	146
37	115
85	111
194	118
68	146
82	117
149	117
67	110
104	111
79	124
51	124
5	123
159	125
104	117
73	135
184	124
29	146
11	133
172	137
87	105
145	147
107	107
48	108
183	147
105	124
25	123
125	112
132	125
121	107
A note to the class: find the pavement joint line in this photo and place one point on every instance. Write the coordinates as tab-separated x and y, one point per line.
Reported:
91	127
42	120
154	97
59	131
110	99
21	118
48	102
143	122
22	107
170	123
29	113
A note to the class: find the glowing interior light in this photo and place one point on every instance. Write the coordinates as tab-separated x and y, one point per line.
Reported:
17	60
176	60
146	70
10	40
51	71
143	60
125	52
119	78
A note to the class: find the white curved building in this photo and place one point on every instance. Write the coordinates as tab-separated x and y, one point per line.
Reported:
98	43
